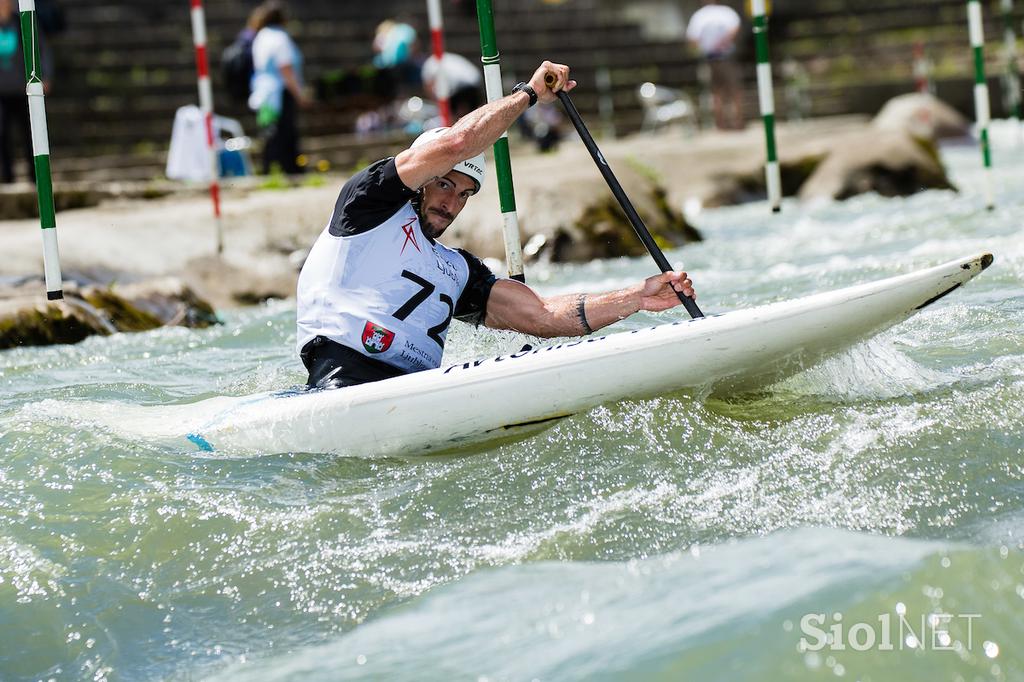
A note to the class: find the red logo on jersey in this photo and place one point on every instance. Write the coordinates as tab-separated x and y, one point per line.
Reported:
377	339
410	236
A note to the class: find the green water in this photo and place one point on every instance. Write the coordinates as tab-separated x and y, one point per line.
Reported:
681	537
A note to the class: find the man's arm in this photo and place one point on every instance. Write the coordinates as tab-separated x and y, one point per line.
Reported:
513	305
477	130
291	83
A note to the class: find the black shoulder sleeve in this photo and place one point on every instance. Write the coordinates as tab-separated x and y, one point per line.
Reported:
472	304
370	197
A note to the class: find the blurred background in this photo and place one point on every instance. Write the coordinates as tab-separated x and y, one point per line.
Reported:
123	67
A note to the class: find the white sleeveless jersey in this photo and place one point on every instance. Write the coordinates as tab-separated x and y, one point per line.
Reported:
389	292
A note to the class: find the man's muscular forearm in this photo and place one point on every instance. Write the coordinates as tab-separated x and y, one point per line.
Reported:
481	127
567	315
513	305
580	314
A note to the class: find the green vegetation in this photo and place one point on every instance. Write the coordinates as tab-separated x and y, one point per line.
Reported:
276	180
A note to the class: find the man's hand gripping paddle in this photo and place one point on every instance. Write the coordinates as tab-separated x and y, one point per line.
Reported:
620	195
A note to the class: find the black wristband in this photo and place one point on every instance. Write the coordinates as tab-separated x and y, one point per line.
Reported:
525	87
581	313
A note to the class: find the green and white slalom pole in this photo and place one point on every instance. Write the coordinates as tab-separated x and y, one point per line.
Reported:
502	160
982	111
766	97
1012	81
40	148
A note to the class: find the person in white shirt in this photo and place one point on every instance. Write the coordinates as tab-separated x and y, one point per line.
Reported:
712	30
464	80
277	88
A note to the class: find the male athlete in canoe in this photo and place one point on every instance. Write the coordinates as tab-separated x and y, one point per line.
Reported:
377	292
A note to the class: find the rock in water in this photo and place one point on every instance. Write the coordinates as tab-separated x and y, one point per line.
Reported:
577	219
33	321
27	319
139	306
923	116
888	162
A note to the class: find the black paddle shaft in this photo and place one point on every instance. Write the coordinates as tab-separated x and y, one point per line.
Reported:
624	202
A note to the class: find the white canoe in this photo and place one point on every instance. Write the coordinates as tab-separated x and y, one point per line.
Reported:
522	392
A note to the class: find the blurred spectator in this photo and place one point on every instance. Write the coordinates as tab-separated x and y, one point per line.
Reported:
713	30
797	82
544	125
465	82
236	60
396	52
15	129
277	89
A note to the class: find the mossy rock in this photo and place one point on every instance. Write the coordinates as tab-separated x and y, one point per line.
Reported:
140	306
607	232
123	314
600	229
101	310
33	323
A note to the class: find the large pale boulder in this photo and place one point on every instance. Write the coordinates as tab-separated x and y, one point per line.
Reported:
230	283
921	115
568	213
888	162
749	184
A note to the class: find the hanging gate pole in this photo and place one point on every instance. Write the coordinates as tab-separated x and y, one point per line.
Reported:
442	88
206	106
982	112
40	148
502	160
766	97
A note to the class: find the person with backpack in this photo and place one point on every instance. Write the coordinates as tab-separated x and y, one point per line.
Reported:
236	63
276	90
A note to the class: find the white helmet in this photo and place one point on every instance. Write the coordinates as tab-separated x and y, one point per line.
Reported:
473	167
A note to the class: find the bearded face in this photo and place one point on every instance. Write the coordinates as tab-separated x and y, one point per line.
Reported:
442	199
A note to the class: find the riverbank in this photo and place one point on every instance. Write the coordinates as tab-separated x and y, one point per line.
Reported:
266	231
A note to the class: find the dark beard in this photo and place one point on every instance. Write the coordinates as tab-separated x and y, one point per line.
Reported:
429	230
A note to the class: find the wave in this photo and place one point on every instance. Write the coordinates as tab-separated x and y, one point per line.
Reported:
872	370
737	610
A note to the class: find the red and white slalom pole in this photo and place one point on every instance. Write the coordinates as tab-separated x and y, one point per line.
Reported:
441	89
206	106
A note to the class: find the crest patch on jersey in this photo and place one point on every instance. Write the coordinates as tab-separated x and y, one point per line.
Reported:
376	339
